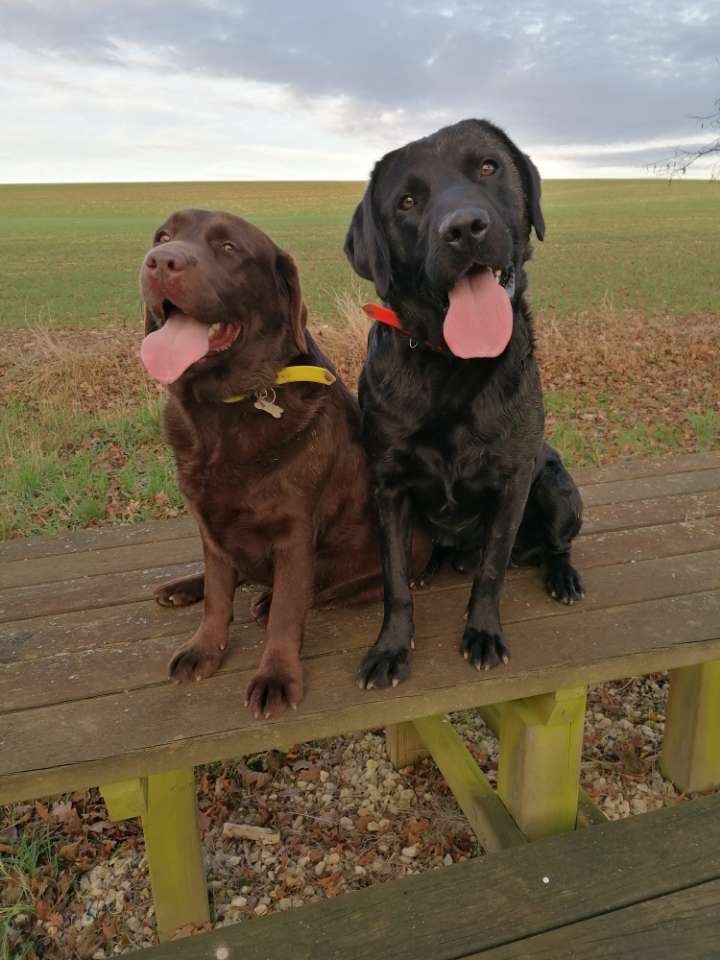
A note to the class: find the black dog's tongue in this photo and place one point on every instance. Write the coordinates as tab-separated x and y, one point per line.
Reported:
479	320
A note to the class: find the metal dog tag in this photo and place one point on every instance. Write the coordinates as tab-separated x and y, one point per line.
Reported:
268	405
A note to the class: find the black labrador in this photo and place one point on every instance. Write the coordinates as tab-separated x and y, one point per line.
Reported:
451	401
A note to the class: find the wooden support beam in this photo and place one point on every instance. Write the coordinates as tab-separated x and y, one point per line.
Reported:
166	802
404	745
126	798
589	813
492	824
691	749
540	752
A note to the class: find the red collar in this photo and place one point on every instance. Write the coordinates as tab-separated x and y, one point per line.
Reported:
390	319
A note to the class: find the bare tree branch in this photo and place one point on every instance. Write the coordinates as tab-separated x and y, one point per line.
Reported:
681	160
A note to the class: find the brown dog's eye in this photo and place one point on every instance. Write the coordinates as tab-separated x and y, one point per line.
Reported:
163	237
228	247
488	168
407	202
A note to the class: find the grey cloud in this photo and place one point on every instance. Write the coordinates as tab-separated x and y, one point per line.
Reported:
594	72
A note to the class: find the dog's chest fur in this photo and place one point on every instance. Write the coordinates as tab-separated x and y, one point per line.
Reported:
452	439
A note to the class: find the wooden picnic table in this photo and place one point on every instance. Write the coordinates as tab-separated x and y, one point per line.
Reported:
84	698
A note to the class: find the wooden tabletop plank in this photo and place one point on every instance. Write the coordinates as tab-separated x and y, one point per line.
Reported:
645	488
684	925
93	592
600	518
163	726
144	553
462	910
121	559
54	665
646	467
96	538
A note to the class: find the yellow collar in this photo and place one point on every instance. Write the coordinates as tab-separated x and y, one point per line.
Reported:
304	374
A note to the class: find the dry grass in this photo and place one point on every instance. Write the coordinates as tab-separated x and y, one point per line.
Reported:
89	371
80	439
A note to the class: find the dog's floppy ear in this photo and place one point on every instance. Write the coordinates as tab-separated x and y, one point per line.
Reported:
366	246
289	281
531	181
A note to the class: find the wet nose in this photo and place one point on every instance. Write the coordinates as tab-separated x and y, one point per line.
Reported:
167	257
463	229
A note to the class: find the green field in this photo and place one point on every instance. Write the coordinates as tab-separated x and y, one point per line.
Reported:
625	289
70	254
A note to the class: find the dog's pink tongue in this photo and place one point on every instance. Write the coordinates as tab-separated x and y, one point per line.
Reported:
169	351
479	320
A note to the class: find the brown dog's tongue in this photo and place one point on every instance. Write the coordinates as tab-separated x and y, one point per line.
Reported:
479	320
169	351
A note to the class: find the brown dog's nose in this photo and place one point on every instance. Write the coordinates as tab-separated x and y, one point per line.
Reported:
463	229
170	257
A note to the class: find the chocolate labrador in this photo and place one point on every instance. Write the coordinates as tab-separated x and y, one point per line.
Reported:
266	440
450	394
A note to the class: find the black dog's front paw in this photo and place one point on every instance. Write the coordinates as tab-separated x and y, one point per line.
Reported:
563	582
484	648
384	666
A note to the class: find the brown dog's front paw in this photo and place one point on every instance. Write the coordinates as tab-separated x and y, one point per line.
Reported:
182	592
195	661
272	691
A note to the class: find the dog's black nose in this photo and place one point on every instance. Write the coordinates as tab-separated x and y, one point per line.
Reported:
462	229
168	257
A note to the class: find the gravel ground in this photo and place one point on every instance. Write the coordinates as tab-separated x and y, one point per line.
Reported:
333	816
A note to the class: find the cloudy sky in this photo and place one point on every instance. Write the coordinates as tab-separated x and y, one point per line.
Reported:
317	89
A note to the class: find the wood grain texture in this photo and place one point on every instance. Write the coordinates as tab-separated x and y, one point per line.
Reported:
644	488
174	852
84	541
646	467
58	658
161	726
679	926
462	910
691	747
404	746
539	768
92	592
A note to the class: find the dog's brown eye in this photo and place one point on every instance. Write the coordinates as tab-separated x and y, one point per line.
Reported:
407	202
228	247
488	168
163	237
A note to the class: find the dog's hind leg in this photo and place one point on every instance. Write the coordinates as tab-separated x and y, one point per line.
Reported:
181	592
426	576
552	520
185	590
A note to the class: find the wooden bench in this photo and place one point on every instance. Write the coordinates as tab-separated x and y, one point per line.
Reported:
84	699
647	888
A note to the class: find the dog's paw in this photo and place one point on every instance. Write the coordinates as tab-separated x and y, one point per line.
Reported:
423	579
195	660
384	666
182	592
260	607
272	691
484	648
563	583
